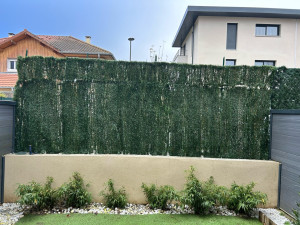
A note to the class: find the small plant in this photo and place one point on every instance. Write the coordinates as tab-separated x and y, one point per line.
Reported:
2	95
196	195
216	194
114	198
242	199
297	214
36	195
158	198
74	193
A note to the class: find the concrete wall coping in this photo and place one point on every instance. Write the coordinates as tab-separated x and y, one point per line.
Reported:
141	156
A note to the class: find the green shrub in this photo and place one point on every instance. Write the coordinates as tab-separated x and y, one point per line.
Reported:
74	193
214	193
114	198
297	214
2	95
158	198
242	199
196	195
36	195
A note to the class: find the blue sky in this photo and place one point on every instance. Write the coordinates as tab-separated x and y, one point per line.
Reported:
152	23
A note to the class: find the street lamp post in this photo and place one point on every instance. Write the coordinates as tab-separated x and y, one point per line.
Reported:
130	40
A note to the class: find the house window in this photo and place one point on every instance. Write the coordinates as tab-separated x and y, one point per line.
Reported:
264	63
230	62
231	35
267	30
182	51
11	65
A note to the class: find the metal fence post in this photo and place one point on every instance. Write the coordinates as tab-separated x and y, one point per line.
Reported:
2	179
279	186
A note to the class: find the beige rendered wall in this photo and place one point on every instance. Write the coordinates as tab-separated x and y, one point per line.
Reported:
131	171
210	41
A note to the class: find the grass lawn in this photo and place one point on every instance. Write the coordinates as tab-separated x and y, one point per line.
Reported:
134	220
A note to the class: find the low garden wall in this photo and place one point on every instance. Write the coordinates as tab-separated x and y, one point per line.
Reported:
131	170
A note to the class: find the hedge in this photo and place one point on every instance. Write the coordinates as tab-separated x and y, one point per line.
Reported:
73	105
285	88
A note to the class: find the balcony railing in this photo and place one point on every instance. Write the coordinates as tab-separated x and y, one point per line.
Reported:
180	58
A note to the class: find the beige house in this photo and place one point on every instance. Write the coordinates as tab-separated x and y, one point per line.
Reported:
239	36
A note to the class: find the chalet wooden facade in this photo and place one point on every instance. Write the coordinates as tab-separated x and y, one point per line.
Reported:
28	44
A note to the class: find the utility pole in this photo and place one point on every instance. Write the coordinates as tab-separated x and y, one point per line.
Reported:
130	40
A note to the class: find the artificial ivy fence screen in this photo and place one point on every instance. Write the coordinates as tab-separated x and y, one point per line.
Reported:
285	88
76	105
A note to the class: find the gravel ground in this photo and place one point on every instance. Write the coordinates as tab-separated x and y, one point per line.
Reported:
10	213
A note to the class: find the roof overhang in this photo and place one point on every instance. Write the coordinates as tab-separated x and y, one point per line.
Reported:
23	34
14	73
7	87
97	54
193	12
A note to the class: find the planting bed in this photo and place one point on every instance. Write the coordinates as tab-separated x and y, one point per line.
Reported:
10	213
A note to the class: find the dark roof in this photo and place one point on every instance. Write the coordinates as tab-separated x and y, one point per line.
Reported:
193	12
69	44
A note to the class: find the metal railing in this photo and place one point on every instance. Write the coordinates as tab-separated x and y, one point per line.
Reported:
5	99
176	55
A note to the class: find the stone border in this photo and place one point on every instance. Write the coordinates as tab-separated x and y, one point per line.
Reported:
264	219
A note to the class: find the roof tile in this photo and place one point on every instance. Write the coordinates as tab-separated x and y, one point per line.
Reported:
8	80
69	44
3	39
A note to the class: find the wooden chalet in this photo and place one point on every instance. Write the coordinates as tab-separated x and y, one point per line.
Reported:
28	44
